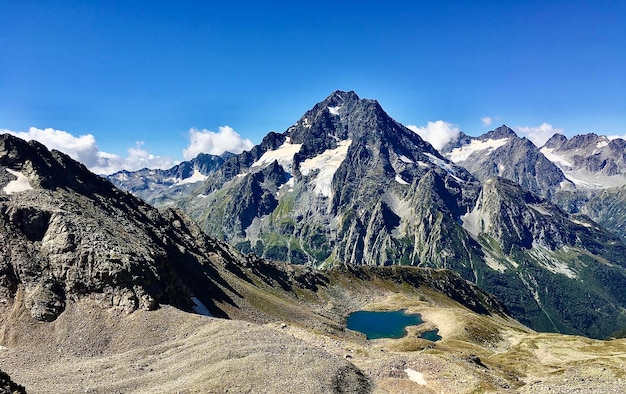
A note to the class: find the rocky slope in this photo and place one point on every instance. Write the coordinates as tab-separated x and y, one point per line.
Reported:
90	349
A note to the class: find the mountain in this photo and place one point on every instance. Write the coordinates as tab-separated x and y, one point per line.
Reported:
589	160
87	273
597	166
555	271
501	152
160	187
346	184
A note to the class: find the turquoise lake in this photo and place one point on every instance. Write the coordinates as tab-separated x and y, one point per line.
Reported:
390	324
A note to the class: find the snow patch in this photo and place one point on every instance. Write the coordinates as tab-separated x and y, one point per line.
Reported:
400	180
334	110
560	161
471	223
575	221
415	376
122	177
602	144
584	179
197	176
327	163
544	258
287	185
461	154
284	155
541	209
19	185
445	166
199	307
405	159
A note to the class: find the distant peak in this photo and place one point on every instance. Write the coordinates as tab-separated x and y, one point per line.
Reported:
556	141
502	132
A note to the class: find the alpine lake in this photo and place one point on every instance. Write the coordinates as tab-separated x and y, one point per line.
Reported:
387	324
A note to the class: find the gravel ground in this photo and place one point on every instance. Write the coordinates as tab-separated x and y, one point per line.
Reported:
89	349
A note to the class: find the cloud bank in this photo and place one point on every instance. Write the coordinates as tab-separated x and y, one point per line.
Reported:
206	141
539	135
438	133
486	120
85	150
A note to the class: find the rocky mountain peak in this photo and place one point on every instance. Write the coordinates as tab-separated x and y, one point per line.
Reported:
501	132
555	142
49	169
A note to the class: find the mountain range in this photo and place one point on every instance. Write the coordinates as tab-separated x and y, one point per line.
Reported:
102	292
346	210
347	184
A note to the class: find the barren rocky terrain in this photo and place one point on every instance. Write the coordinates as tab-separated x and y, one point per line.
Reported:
100	350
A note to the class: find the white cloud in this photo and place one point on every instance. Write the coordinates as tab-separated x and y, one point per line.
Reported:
206	141
614	137
486	120
539	135
85	150
438	133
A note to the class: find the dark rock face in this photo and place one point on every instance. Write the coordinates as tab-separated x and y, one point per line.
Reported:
8	386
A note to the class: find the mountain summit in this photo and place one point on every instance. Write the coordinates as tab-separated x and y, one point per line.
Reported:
345	184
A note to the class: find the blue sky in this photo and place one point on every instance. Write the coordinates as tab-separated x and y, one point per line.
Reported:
140	82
